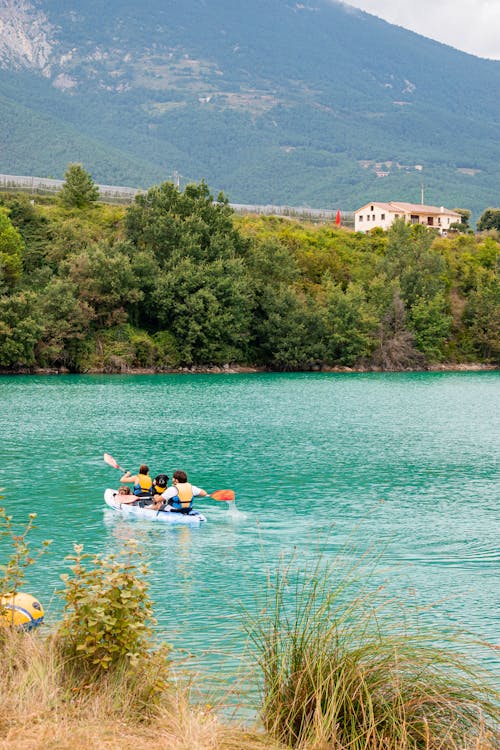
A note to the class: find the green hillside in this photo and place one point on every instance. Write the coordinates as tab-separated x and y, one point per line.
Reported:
268	101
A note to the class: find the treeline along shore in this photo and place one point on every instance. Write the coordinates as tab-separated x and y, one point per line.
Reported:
178	282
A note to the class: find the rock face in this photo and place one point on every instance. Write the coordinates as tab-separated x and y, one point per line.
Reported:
26	36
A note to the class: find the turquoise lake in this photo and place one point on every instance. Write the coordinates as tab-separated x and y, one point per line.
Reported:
405	465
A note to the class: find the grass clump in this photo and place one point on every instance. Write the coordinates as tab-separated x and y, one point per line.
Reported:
339	673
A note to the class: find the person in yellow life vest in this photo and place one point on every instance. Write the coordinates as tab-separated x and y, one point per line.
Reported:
179	497
142	481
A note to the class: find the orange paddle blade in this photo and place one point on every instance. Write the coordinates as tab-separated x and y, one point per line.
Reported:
224	495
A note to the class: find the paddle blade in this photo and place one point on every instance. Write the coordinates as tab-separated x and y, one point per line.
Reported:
111	461
223	495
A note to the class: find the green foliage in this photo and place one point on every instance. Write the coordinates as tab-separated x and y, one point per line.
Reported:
13	571
350	324
79	190
20	329
108	621
482	318
178	280
166	219
489	219
11	248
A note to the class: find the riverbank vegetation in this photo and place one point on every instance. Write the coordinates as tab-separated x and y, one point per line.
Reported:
177	280
335	672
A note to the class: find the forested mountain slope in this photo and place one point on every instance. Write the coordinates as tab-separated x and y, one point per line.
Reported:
270	101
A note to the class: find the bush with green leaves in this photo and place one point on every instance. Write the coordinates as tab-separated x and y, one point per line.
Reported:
12	572
108	622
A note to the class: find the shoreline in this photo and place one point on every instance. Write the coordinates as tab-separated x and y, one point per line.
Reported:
231	369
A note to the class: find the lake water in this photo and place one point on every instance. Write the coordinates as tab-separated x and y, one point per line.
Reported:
405	465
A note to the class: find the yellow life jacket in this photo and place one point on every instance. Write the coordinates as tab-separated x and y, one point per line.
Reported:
143	484
184	496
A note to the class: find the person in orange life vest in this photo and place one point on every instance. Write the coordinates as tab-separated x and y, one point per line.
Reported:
142	481
179	497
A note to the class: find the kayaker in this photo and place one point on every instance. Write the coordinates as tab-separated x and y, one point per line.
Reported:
125	495
160	484
179	497
142	481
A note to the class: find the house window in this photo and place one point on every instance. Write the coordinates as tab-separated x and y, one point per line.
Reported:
396	216
382	217
367	217
414	218
439	220
371	208
361	218
373	217
430	221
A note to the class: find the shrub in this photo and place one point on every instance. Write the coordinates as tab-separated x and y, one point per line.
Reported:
13	571
107	625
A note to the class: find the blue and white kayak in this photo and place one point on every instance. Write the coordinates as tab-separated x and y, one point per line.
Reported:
111	498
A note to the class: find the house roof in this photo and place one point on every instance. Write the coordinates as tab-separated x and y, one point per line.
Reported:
411	208
419	208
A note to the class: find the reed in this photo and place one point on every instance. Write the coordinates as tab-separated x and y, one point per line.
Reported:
339	671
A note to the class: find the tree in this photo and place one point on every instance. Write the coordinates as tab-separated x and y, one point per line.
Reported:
463	225
489	219
11	247
166	220
350	324
20	328
79	189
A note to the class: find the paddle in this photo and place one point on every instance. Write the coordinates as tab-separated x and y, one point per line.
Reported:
111	461
223	495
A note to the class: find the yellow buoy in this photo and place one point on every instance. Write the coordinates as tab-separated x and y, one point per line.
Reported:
20	611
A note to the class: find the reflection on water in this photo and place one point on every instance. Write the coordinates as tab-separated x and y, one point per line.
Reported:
404	465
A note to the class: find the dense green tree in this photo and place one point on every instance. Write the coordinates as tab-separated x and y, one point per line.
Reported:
350	324
489	219
67	322
166	219
288	332
11	248
20	328
105	280
482	317
79	189
207	307
430	322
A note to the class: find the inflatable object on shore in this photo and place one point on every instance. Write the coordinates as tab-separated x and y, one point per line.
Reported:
20	611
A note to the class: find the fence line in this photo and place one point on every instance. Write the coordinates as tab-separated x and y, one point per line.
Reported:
125	195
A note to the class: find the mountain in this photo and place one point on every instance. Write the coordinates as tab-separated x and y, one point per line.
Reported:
272	101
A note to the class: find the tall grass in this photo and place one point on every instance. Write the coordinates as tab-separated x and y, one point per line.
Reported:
39	708
338	671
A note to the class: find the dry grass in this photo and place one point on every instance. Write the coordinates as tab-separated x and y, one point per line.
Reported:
39	709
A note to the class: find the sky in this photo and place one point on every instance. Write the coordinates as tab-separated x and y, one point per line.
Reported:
469	25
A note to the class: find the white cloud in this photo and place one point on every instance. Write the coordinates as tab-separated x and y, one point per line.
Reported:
468	25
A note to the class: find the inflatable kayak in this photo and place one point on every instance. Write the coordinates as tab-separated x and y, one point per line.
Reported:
111	498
